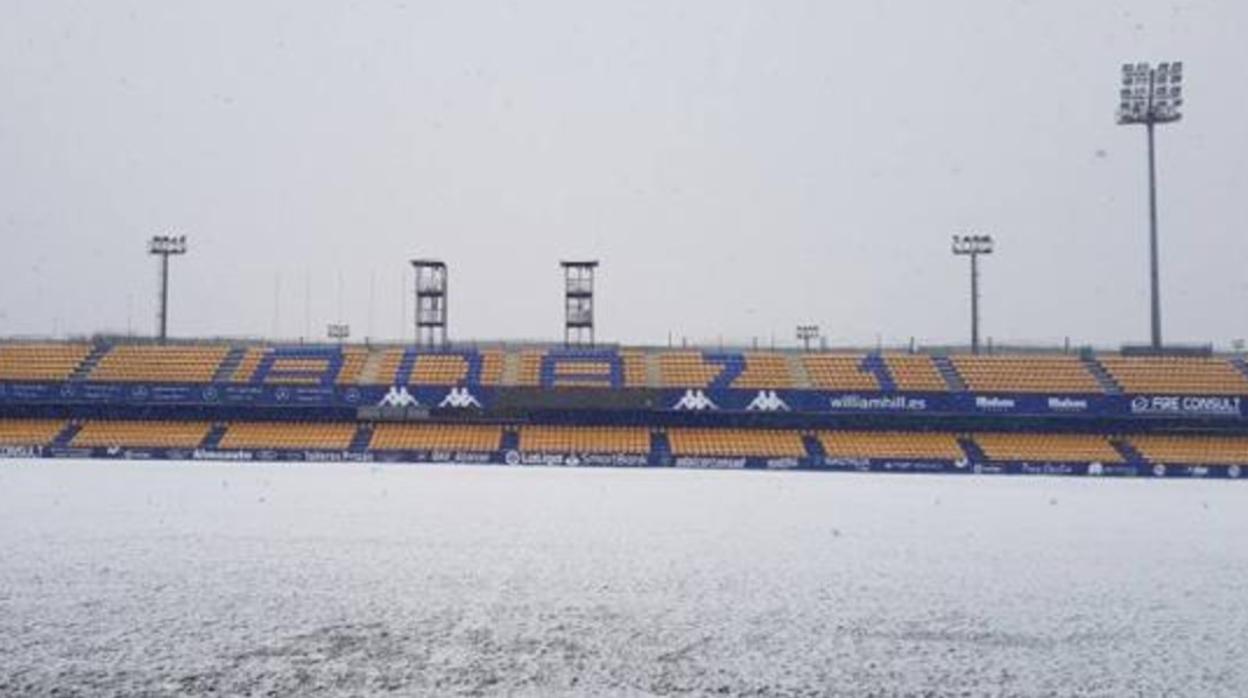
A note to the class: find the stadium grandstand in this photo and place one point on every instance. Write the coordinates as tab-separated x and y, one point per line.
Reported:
1055	413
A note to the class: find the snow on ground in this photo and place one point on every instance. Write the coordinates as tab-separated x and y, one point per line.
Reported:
122	578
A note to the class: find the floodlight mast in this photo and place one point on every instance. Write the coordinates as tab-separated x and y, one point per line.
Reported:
164	246
973	246
339	331
578	302
431	302
1151	96
805	333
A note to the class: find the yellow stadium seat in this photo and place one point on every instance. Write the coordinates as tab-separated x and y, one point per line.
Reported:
436	437
1056	448
313	435
578	439
736	443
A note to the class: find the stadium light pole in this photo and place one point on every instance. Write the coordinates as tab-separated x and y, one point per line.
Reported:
339	331
1151	96
165	246
806	333
973	246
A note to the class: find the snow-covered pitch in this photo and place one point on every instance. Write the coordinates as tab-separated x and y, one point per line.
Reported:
121	578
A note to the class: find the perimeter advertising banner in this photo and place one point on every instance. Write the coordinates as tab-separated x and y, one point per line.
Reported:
659	400
635	460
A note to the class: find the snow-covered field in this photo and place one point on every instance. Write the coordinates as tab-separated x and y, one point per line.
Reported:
122	578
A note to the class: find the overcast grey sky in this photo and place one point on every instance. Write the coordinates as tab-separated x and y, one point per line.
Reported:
738	167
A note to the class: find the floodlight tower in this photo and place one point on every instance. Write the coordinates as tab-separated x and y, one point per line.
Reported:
805	333
338	330
578	302
165	245
431	282
973	246
1151	96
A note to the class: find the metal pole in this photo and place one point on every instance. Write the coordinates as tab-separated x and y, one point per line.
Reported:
164	296
974	303
1152	237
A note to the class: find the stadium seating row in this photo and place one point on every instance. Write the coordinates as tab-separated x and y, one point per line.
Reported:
724	442
41	362
358	365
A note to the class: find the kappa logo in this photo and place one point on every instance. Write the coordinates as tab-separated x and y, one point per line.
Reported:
694	400
459	397
768	401
398	397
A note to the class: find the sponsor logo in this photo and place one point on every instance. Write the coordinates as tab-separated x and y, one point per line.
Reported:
783	463
459	397
70	452
211	394
512	458
902	466
21	451
204	454
1096	469
282	394
632	460
993	403
961	463
889	403
337	457
573	460
862	464
1159	470
460	457
139	392
767	401
398	396
694	400
1233	472
544	459
1046	469
1066	404
352	395
1190	404
700	462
